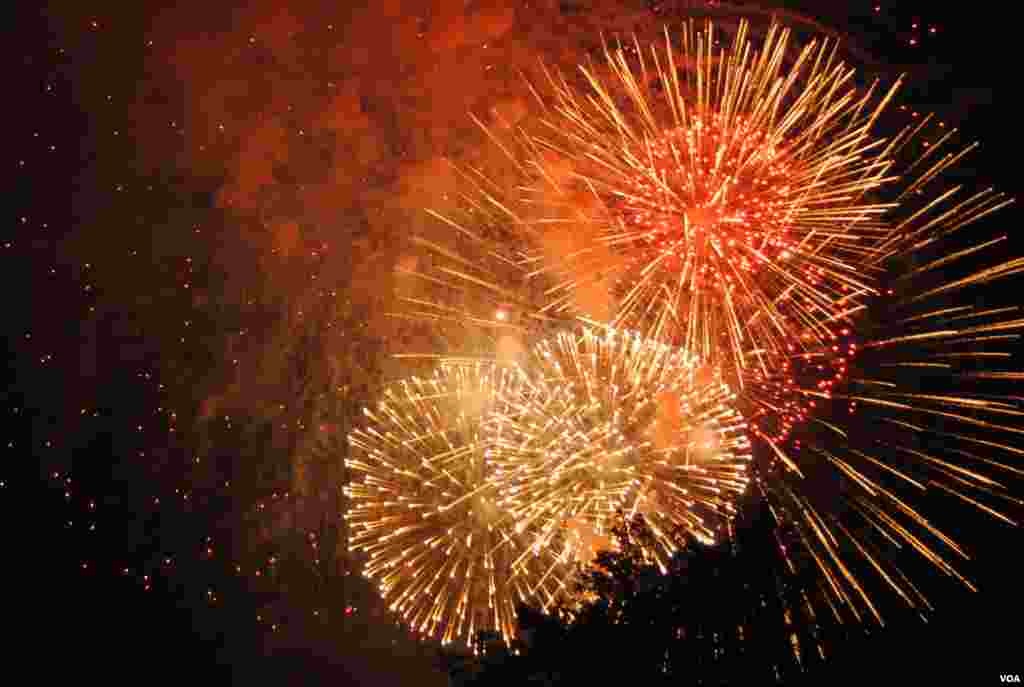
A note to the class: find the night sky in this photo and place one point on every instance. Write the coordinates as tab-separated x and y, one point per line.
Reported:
208	206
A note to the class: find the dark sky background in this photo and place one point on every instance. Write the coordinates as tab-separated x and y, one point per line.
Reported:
198	192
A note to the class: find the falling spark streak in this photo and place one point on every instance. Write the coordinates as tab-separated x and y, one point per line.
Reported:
1000	271
876	566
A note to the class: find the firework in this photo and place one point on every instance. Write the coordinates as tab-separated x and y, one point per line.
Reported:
424	509
735	205
740	205
482	485
737	202
925	425
927	421
702	197
603	422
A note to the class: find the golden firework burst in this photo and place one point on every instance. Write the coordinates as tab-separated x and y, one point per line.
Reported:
425	509
603	422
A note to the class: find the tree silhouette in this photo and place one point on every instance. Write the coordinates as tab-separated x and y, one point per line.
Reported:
715	615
